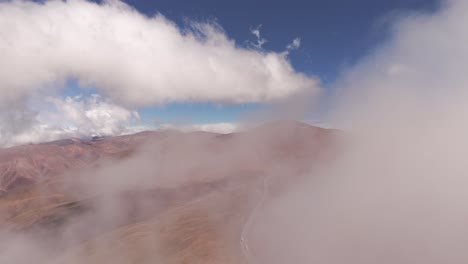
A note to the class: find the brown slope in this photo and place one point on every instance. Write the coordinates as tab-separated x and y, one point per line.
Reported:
37	163
223	185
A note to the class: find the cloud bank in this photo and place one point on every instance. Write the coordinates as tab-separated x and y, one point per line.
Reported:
134	59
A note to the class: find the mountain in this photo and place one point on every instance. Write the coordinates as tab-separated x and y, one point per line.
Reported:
35	163
161	196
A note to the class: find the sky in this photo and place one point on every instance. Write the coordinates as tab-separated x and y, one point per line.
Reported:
334	35
107	68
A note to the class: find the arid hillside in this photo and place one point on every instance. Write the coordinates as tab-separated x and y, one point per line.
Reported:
151	197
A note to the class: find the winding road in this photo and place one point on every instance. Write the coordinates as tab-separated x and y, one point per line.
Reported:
244	243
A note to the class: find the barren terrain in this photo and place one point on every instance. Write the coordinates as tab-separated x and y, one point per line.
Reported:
152	197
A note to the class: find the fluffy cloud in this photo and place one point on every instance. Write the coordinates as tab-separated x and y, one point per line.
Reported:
134	59
71	117
92	116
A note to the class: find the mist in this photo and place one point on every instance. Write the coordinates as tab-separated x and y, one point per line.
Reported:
200	186
396	193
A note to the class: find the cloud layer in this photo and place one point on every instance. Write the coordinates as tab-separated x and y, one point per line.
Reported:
134	59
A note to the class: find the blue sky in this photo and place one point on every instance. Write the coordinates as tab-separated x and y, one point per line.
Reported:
334	35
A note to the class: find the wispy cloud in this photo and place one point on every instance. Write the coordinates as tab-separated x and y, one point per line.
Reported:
260	41
294	45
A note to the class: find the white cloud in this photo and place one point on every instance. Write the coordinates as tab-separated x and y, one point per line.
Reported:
221	128
260	41
85	117
75	117
294	45
92	116
134	59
